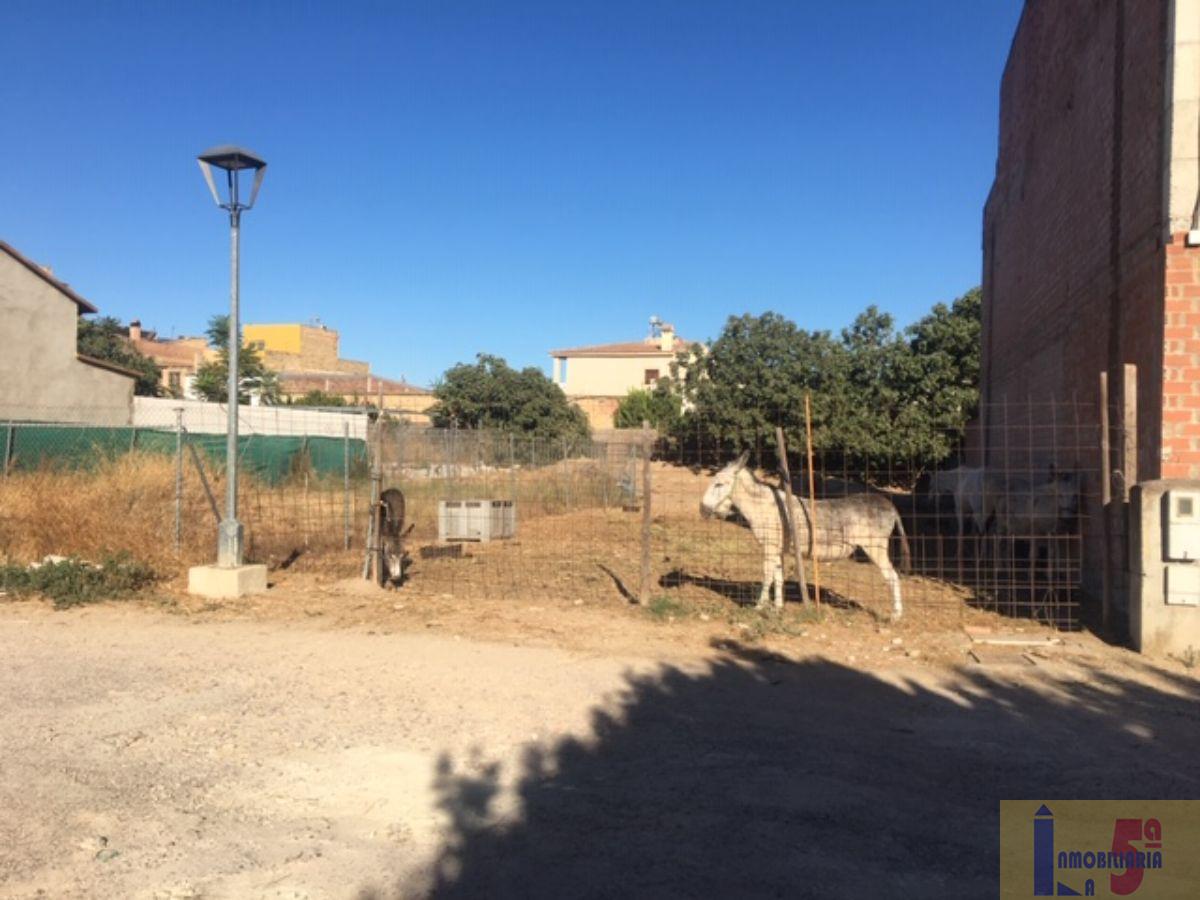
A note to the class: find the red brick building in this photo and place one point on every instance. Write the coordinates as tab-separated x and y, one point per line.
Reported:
1087	262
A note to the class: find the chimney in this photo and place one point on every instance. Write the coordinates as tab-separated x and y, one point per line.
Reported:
666	340
135	330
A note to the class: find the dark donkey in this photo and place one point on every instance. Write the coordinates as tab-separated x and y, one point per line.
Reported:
392	534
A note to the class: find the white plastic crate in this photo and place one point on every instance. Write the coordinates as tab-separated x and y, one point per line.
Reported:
476	520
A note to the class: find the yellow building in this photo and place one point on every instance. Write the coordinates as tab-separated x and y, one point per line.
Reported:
294	347
597	377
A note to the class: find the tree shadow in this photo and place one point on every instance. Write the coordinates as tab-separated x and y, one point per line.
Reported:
754	775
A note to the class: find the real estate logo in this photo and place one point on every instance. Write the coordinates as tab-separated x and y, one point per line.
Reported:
1099	848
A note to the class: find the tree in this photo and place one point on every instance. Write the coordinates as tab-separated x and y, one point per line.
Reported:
661	406
754	375
317	398
253	376
491	394
105	338
945	374
880	397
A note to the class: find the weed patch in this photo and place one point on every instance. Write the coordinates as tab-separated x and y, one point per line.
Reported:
72	582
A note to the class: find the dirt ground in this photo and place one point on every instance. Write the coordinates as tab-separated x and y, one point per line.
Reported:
330	739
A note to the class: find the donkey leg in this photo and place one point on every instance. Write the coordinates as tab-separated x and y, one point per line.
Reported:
780	584
764	595
879	556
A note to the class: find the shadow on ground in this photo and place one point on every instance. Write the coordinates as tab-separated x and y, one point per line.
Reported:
759	776
746	593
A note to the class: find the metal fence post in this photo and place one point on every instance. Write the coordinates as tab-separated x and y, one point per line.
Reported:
178	479
644	581
10	438
345	485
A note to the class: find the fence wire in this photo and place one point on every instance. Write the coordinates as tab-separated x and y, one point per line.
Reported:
1004	523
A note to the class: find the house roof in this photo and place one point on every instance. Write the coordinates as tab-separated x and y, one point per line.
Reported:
180	352
342	383
45	275
105	364
645	347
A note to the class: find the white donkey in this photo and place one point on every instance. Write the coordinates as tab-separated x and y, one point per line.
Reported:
862	521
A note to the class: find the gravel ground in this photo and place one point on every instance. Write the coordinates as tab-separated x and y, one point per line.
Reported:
150	755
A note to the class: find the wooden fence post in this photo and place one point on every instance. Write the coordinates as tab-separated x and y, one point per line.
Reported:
644	582
1105	506
790	513
812	501
1129	425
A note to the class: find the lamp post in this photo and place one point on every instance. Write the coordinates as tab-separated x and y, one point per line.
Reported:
233	161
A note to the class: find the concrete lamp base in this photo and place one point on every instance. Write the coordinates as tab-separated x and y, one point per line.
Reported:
218	583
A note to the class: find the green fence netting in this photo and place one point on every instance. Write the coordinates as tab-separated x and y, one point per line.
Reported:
268	457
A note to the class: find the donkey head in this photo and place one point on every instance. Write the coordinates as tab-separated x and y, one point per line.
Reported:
718	499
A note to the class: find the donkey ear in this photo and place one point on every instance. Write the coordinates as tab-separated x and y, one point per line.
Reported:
743	459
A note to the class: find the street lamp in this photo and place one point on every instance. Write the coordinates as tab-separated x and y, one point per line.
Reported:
233	161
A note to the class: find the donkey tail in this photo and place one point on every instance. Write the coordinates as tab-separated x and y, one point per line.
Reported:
905	551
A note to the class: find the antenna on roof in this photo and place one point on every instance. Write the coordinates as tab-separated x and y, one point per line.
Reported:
655	326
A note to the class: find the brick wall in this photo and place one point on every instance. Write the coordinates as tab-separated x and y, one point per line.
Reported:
1074	241
1181	362
1073	228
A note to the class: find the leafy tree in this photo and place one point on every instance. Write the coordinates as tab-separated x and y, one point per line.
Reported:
105	338
317	398
253	376
491	394
944	376
754	376
879	397
662	407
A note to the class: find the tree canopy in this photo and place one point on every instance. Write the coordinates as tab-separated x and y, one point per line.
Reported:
879	396
661	406
491	394
253	375
105	338
317	398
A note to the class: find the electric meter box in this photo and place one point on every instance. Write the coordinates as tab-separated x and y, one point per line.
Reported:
1182	537
1182	585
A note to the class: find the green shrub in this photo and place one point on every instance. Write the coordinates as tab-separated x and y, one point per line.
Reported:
72	582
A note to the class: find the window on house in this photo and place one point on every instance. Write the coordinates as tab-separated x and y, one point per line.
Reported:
562	371
651	376
175	384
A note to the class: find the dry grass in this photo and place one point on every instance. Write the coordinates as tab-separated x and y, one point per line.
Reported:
126	505
573	539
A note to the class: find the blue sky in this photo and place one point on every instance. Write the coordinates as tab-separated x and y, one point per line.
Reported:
449	177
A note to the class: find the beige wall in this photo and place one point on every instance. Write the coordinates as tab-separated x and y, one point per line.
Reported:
40	377
599	410
607	376
1183	100
301	348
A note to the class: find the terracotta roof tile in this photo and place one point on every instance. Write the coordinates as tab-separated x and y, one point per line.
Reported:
647	347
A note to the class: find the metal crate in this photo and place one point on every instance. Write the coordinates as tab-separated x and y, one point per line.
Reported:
476	520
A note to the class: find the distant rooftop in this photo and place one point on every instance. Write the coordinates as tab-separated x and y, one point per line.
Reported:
342	383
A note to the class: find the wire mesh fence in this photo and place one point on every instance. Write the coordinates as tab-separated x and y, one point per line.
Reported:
1004	523
155	487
